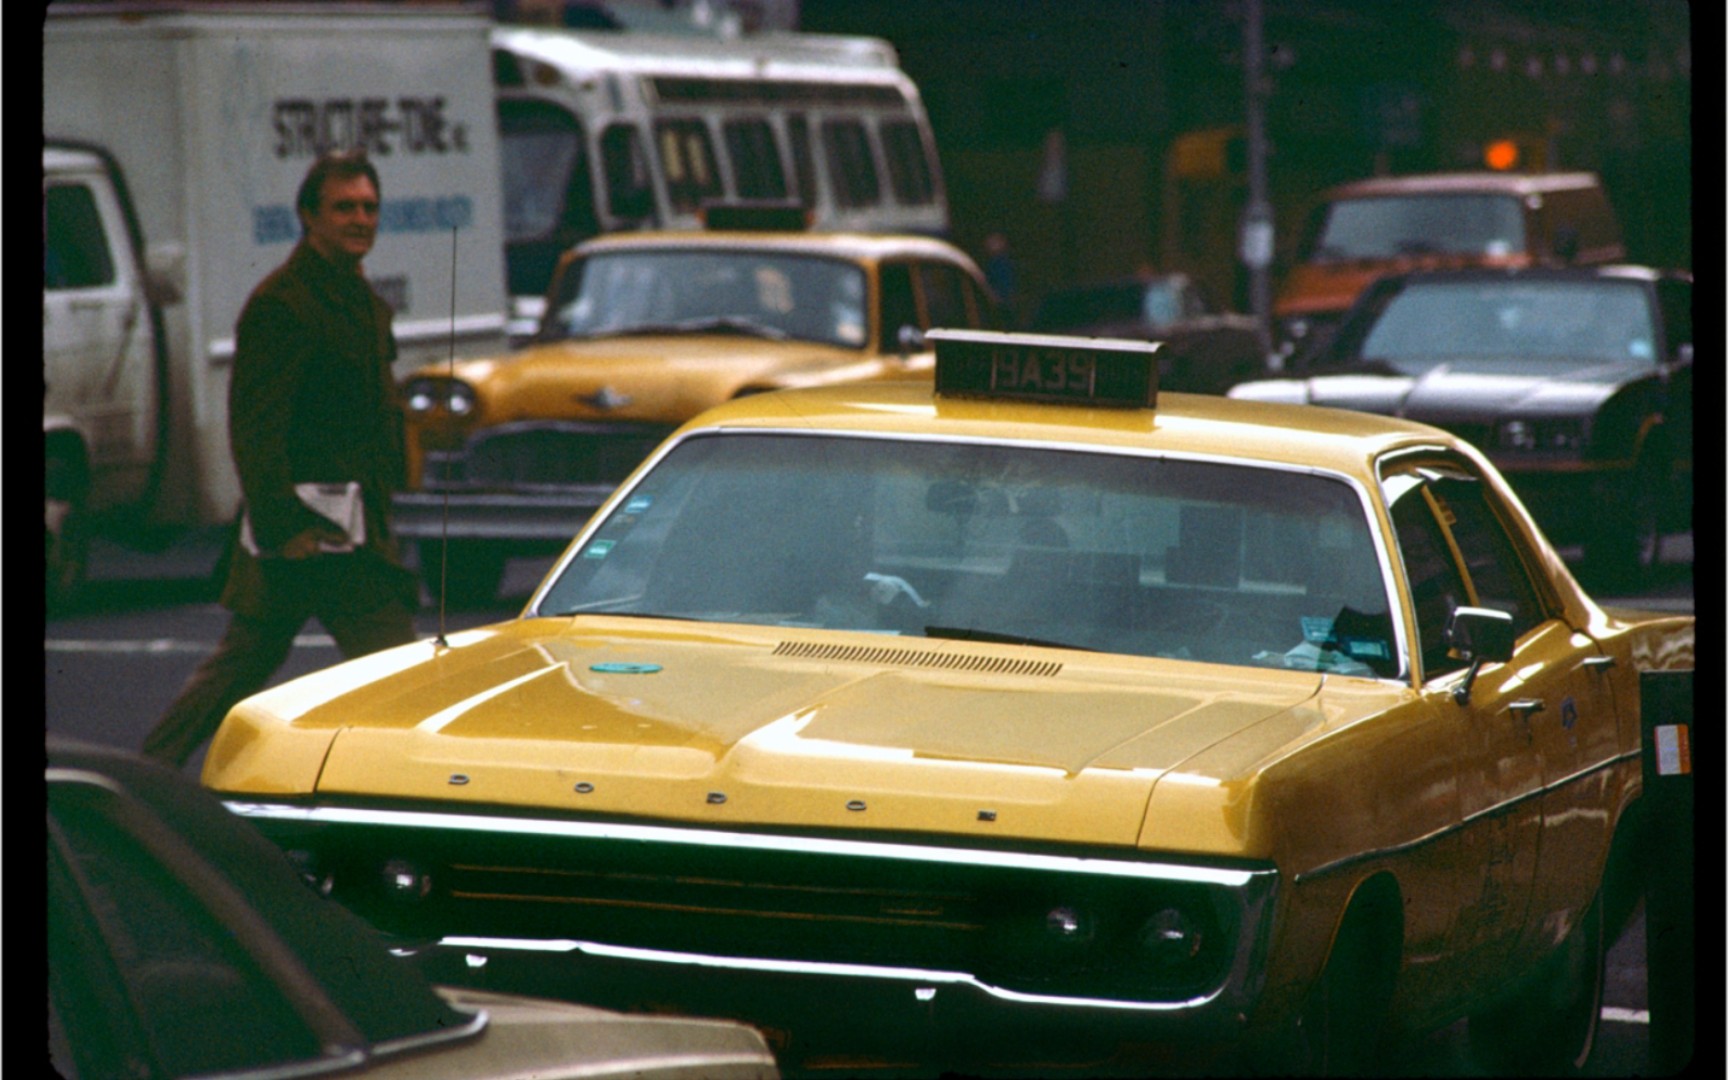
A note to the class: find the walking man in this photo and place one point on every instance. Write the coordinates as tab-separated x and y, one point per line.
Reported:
312	401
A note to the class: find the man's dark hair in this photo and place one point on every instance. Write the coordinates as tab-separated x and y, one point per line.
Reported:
335	165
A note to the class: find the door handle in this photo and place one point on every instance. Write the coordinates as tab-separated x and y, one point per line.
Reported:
1602	662
1526	706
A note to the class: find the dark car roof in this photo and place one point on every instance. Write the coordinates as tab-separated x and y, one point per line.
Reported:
386	999
1620	271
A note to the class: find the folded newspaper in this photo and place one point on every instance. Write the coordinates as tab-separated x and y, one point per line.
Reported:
341	503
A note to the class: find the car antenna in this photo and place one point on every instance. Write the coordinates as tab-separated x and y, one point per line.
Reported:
444	528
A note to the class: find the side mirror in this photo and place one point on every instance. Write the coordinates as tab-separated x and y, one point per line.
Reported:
908	340
1479	635
165	274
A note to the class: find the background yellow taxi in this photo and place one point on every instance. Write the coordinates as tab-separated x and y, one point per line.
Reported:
1092	720
641	332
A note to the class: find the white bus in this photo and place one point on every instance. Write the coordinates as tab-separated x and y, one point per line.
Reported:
611	131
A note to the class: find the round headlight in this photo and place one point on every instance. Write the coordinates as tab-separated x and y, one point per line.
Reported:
404	881
1068	924
1171	938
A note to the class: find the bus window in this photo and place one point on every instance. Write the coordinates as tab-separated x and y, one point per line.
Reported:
850	166
629	196
908	170
755	158
548	195
687	158
803	161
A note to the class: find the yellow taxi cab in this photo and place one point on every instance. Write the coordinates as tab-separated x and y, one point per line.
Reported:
642	331
1141	729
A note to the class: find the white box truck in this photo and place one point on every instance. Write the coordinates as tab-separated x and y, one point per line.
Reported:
175	139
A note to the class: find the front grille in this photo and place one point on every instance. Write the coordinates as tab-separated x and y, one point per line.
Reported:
545	455
1012	922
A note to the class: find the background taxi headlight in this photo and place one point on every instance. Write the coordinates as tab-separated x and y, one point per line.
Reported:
1564	435
425	395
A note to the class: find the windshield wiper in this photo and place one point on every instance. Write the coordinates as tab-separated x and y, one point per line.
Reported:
960	633
705	325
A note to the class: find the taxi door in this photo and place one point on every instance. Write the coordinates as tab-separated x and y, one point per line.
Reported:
1515	726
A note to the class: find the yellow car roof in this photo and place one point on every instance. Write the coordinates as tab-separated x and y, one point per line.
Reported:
1338	440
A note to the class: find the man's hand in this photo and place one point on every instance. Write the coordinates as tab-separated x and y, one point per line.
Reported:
306	543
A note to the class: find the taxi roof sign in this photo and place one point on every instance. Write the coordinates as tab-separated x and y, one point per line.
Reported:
1046	367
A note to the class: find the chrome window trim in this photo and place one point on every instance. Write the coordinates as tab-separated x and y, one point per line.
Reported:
1364	497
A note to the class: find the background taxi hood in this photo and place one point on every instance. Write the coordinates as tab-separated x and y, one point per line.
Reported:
1066	749
665	377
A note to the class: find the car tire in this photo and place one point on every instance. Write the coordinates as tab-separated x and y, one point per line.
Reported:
476	569
1549	1028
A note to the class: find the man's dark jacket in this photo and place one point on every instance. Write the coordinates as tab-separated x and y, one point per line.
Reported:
313	399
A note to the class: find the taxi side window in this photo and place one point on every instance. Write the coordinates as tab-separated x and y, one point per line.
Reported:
1496	572
1456	553
944	297
1436	584
899	308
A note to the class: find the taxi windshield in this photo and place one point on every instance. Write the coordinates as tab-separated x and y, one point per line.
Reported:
1532	327
1205	561
767	294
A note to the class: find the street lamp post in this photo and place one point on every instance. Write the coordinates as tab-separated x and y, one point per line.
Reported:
1256	236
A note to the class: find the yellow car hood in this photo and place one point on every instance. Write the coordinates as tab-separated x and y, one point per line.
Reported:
734	725
663	378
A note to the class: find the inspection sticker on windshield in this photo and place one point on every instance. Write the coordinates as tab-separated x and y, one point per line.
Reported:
639	504
599	549
1375	648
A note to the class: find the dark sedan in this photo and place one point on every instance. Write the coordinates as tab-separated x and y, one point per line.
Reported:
1576	381
181	942
1205	350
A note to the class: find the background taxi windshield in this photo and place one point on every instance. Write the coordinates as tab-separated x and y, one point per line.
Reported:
1203	561
804	297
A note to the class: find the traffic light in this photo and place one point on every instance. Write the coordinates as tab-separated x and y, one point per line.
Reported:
1508	153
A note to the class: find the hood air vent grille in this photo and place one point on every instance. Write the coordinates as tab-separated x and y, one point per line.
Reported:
861	654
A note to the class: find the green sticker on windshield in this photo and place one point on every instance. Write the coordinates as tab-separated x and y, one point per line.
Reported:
599	549
1316	629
